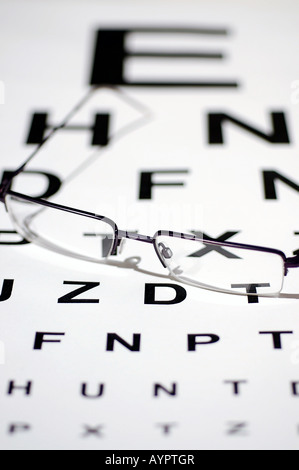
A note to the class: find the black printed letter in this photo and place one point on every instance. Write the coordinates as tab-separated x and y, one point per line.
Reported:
279	135
112	337
6	289
192	340
146	182
71	297
39	339
150	294
276	337
269	183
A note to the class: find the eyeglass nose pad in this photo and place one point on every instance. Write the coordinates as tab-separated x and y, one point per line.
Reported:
165	251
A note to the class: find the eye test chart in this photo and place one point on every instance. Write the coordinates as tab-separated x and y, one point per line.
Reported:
193	127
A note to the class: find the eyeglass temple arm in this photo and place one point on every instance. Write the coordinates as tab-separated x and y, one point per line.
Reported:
292	262
5	185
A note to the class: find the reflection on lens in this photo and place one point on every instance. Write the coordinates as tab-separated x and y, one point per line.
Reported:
64	232
222	268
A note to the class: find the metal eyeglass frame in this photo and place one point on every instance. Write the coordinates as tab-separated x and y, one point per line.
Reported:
119	235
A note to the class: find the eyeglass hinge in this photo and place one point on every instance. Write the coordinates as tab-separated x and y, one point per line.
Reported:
4	187
293	262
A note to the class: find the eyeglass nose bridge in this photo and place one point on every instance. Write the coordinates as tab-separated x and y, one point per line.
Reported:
166	252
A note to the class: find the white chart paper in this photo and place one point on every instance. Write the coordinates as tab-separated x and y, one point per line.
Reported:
203	137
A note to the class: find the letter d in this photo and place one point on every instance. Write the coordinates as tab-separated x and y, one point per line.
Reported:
150	294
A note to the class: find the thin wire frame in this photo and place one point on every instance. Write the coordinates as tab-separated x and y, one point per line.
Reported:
239	247
30	235
118	235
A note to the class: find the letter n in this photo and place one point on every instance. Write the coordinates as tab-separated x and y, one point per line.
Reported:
134	347
270	177
278	135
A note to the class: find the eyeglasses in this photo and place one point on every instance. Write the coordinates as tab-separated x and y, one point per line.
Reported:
245	270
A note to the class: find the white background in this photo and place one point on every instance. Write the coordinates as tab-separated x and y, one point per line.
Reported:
46	54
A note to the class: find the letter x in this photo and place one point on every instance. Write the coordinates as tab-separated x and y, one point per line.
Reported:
97	431
209	248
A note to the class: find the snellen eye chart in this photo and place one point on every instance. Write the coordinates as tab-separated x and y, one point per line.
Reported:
193	128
